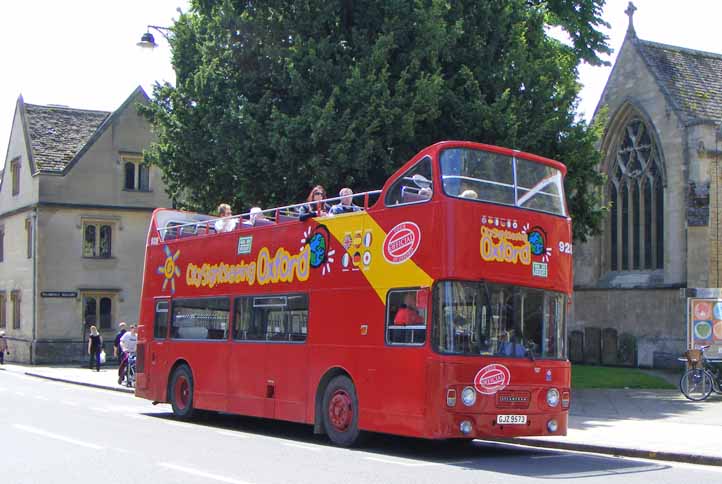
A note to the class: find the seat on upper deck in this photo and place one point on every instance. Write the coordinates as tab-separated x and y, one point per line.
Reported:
410	195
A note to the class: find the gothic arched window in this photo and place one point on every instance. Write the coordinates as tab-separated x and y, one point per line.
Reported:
636	196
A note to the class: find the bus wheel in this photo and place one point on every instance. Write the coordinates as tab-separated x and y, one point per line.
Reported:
340	412
181	392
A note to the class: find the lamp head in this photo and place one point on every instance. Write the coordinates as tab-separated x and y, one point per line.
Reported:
147	41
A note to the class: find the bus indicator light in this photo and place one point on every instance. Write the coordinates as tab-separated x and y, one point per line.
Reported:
402	242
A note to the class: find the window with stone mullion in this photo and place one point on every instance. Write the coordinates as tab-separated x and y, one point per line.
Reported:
636	205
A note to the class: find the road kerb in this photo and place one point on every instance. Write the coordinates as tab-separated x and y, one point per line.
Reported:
81	383
617	451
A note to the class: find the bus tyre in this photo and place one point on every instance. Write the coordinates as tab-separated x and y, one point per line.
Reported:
340	412
181	392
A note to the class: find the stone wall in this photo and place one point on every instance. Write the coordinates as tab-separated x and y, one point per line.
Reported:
651	320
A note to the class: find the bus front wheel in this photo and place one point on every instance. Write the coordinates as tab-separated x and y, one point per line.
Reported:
181	392
340	412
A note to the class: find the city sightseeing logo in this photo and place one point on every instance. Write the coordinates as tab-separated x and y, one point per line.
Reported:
169	269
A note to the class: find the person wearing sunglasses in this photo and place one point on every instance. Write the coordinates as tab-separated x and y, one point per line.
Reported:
314	206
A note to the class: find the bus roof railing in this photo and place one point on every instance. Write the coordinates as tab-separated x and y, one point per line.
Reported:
251	218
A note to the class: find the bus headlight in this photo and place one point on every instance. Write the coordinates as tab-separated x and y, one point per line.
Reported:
468	396
465	427
552	397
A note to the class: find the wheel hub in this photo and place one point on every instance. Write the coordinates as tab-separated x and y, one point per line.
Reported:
340	410
182	392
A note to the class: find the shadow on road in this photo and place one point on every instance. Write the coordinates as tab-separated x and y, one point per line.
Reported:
514	460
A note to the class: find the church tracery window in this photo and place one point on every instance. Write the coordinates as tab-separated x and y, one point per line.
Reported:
636	196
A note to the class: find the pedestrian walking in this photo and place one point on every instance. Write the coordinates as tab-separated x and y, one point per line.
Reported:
95	345
3	347
117	351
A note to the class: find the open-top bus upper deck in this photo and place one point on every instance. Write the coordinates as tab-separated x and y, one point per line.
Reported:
452	212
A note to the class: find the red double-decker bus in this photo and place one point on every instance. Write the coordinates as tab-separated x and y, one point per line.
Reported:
435	308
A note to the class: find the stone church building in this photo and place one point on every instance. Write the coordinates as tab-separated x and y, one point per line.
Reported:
661	153
75	204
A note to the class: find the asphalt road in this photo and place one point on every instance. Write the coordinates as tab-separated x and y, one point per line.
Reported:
54	432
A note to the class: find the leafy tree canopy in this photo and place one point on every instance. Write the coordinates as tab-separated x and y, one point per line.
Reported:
274	97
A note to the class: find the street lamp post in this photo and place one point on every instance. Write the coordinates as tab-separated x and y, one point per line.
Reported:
147	40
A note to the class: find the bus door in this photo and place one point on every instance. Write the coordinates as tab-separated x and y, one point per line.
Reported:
406	328
249	353
157	356
286	319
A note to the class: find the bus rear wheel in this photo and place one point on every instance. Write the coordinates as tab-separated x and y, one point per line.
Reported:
340	412
181	392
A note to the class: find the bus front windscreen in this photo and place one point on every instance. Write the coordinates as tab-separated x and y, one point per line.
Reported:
493	177
480	318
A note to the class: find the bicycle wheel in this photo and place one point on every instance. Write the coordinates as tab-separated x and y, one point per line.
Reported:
130	374
716	378
696	384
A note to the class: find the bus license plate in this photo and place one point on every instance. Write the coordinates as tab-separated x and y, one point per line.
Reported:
511	419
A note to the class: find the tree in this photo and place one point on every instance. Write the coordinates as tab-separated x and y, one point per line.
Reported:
274	97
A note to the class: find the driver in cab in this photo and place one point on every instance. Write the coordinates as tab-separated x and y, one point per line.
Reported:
408	314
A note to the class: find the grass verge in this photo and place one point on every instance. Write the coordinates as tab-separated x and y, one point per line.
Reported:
585	376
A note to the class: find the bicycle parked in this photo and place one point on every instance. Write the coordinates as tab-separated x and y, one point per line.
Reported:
702	378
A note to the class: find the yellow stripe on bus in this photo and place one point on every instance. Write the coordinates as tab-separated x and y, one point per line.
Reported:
380	273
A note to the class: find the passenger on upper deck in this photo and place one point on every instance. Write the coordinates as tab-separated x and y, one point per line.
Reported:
314	207
225	224
257	217
346	205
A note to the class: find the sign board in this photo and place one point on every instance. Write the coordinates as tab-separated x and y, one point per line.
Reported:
58	294
244	245
704	325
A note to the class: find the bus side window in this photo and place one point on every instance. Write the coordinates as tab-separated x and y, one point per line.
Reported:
406	316
271	318
160	326
201	318
414	186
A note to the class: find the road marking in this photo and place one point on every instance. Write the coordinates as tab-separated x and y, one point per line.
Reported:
20	394
302	446
196	472
102	410
179	424
552	456
238	435
68	402
405	462
36	431
38	397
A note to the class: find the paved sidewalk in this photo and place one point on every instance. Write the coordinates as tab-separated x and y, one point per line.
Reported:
106	378
653	424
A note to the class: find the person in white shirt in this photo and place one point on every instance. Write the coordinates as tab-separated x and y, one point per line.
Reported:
225	224
128	343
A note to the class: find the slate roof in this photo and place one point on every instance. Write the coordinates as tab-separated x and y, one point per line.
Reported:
56	134
692	79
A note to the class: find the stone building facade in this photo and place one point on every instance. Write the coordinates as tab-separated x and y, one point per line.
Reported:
661	109
75	204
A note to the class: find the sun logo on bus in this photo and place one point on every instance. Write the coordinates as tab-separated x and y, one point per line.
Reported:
318	244
170	269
